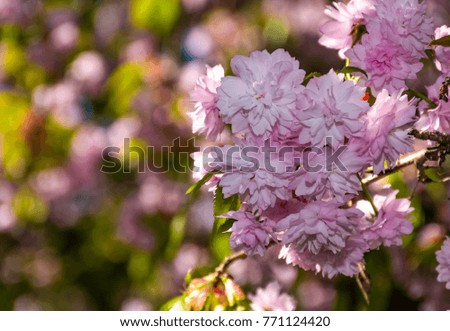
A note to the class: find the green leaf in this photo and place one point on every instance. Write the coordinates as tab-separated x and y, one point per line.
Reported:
430	54
188	278
198	185
220	240
444	41
176	235
349	70
156	15
176	302
420	95
310	76
223	205
123	85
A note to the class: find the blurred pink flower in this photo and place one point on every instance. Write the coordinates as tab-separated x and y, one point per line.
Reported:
260	100
7	217
198	42
136	304
52	183
270	298
392	222
443	257
330	107
130	227
64	37
62	100
89	70
206	117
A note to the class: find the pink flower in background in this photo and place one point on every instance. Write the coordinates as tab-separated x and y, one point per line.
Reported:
205	117
63	100
64	37
386	62
330	107
89	70
443	258
337	33
326	262
248	233
438	118
392	222
260	100
333	181
7	216
386	134
442	54
406	22
318	227
270	298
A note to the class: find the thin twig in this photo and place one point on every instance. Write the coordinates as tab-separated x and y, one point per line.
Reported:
368	195
363	282
403	163
222	268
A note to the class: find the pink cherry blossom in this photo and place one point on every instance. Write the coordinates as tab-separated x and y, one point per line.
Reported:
438	118
329	264
407	23
260	100
205	117
249	233
385	61
330	107
326	180
270	298
249	174
284	208
391	223
337	33
443	258
442	54
320	226
386	135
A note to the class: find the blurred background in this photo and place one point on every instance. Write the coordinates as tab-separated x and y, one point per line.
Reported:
78	76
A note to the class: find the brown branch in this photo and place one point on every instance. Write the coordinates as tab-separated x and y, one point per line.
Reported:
436	136
222	268
403	163
363	282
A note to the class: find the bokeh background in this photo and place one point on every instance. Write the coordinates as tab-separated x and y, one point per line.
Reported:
78	76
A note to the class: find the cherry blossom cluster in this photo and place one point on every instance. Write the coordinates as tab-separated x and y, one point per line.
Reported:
301	144
385	38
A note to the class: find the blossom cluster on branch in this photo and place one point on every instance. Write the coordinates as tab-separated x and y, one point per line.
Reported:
302	144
